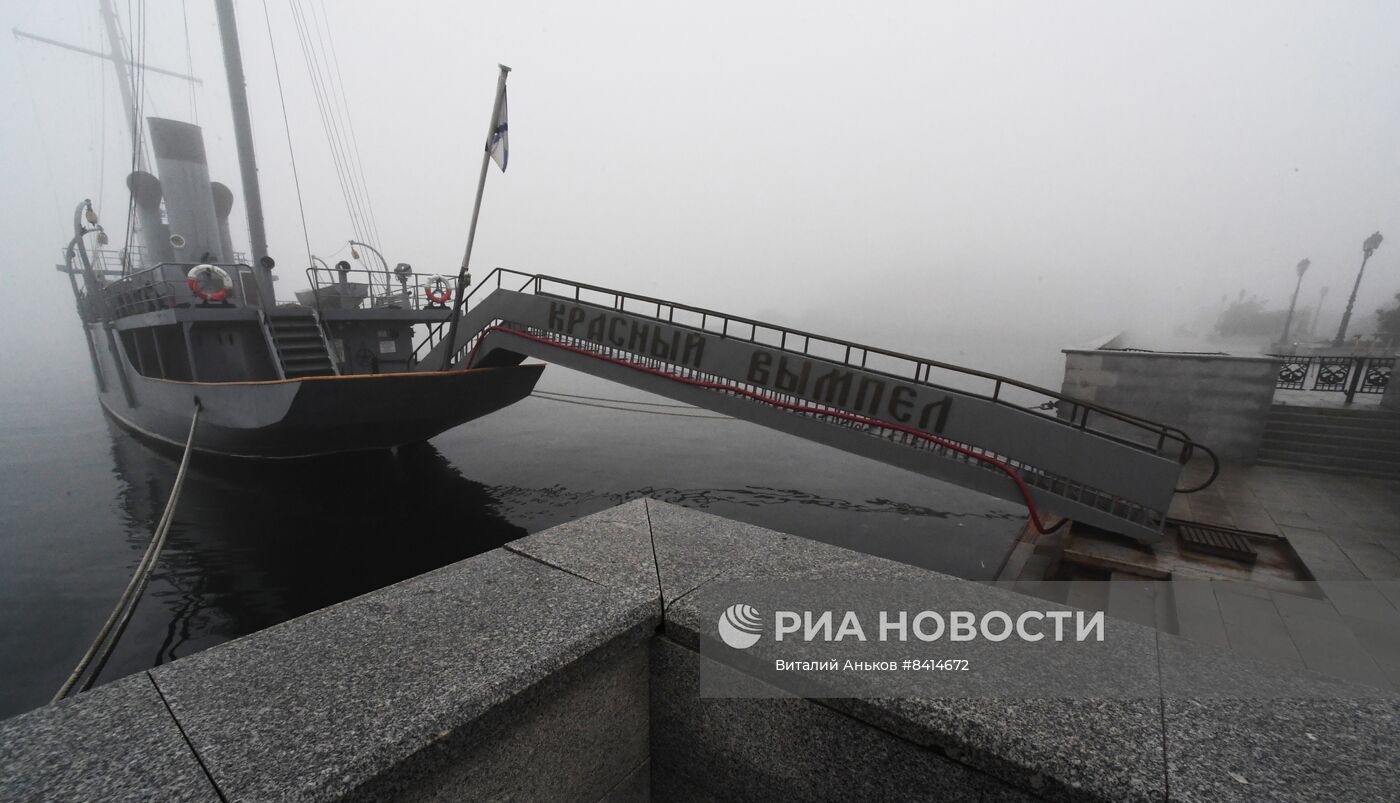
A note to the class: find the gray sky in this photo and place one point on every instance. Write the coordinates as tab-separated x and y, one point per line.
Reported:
919	174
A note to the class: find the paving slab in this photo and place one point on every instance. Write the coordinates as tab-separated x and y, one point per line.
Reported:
1382	643
1132	599
115	743
1374	560
1324	641
1254	626
1324	559
1197	614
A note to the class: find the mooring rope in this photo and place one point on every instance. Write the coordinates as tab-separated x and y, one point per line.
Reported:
101	647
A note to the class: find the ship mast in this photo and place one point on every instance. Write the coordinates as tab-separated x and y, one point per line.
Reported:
119	61
247	162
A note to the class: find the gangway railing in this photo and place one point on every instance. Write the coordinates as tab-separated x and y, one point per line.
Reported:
498	278
1074	458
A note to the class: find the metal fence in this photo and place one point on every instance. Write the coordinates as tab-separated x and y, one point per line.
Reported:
1348	375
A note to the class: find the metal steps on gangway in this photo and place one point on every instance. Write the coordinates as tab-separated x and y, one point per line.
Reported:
982	431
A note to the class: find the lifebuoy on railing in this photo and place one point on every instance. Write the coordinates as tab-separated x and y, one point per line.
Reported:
209	282
438	291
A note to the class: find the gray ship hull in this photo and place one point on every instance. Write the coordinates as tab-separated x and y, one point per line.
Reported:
293	418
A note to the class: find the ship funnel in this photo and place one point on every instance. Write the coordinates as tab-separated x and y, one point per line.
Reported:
223	204
155	235
189	199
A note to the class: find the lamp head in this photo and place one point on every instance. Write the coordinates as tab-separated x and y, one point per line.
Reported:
1372	243
1303	267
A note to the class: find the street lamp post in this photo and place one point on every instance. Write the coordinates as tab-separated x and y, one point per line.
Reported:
1317	313
1367	249
1288	322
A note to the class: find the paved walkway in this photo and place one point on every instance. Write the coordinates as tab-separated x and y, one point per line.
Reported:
1346	531
1343	527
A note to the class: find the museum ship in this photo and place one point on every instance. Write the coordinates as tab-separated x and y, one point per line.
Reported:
177	319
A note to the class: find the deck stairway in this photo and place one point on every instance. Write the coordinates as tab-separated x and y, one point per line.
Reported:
978	430
1362	442
299	344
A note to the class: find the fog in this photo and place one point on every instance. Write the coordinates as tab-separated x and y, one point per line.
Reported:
981	183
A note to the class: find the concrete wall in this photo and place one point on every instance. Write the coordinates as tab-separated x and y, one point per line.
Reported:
1220	401
569	666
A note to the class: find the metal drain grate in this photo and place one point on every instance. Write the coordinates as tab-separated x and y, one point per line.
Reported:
1216	541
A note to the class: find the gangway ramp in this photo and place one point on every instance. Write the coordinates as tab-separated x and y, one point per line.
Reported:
1004	438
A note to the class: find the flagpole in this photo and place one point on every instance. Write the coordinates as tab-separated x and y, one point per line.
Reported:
476	212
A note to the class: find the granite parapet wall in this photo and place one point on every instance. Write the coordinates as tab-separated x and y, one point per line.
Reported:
567	666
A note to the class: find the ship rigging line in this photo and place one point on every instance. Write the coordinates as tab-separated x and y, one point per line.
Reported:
623	401
286	126
101	648
548	397
1032	510
328	89
189	60
137	62
339	84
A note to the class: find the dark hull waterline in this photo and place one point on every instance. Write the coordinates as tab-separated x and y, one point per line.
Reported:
316	416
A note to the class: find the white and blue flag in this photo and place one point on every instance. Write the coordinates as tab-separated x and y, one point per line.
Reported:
499	143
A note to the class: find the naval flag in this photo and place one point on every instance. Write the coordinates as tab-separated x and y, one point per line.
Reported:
499	143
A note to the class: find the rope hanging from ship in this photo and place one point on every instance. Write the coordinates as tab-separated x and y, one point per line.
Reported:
111	632
999	465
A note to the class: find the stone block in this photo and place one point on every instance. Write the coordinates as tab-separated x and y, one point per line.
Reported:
1270	733
581	736
115	743
1018	719
318	706
787	748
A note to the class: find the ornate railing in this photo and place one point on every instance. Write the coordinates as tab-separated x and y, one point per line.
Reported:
1348	375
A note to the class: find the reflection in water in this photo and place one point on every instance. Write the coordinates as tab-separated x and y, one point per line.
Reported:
256	543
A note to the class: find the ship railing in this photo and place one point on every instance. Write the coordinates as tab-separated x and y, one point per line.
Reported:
358	288
495	280
1114	425
125	261
157	288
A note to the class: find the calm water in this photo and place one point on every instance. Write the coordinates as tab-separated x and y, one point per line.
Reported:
256	544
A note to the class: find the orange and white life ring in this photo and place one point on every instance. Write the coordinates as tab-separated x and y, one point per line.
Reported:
209	282
438	290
